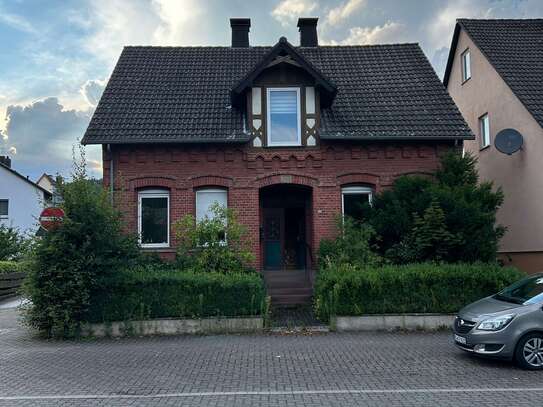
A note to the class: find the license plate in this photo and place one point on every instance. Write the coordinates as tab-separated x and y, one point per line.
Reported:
460	339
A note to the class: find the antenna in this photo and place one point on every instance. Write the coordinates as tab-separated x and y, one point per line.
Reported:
508	141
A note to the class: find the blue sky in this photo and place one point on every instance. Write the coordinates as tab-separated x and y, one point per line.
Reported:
56	55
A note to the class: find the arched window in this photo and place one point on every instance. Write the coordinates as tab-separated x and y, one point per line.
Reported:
154	218
353	198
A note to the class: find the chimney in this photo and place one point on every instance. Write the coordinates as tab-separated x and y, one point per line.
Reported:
308	32
4	159
240	32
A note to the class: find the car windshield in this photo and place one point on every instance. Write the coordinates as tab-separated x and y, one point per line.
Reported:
526	291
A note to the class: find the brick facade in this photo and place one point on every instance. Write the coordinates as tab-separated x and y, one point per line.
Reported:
244	170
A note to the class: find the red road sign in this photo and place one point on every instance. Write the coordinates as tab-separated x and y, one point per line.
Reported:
51	218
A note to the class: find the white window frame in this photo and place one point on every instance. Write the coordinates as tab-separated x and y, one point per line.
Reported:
298	141
484	130
208	190
355	190
6	216
154	193
466	65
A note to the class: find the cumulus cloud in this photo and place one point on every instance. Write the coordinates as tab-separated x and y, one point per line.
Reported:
92	90
288	11
42	135
343	11
390	32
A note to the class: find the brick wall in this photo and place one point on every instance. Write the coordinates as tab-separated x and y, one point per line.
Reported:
244	170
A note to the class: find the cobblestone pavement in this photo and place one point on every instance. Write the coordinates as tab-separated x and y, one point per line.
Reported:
388	369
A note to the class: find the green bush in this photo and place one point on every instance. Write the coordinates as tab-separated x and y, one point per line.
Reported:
13	245
351	246
11	267
450	218
147	292
68	261
425	287
215	244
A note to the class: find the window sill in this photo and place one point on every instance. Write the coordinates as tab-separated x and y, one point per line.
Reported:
467	80
484	148
157	248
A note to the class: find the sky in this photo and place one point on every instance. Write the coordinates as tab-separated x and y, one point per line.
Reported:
56	55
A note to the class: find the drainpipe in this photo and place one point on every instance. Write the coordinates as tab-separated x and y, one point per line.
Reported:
111	173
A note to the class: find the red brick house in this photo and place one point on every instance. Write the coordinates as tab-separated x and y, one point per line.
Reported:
288	136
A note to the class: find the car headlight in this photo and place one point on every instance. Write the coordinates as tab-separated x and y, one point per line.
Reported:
495	323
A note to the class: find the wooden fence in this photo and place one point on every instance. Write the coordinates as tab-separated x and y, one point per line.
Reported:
10	284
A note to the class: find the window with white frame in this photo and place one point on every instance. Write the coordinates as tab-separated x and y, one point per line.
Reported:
484	130
353	200
206	199
154	218
4	208
283	117
466	65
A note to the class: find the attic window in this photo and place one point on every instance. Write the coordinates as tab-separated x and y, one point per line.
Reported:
283	117
466	65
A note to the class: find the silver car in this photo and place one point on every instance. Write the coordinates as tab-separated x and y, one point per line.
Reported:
506	325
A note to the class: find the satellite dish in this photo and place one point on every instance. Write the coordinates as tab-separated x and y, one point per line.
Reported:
508	141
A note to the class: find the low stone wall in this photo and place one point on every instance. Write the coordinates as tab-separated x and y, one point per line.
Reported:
390	322
10	284
174	327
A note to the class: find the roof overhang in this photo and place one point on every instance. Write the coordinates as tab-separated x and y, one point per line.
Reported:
326	88
452	51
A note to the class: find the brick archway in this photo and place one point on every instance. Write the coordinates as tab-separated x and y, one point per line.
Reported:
285	178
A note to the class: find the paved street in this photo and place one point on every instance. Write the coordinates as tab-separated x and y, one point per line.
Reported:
389	369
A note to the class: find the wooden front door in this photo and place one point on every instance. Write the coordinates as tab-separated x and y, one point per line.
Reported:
273	230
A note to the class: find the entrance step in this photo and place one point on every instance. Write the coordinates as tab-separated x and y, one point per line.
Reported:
296	318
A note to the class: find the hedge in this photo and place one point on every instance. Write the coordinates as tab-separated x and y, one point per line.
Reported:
414	288
146	293
10	267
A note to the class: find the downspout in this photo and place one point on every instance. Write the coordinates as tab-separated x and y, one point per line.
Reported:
111	173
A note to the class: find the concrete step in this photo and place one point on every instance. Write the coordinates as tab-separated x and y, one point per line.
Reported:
291	299
290	291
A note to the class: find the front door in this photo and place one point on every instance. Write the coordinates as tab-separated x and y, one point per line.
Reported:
272	237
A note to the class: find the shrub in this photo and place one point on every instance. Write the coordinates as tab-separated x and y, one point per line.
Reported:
425	287
413	217
147	292
13	245
216	244
11	267
70	259
351	246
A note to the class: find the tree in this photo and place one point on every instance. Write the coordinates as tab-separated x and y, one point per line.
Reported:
69	261
467	206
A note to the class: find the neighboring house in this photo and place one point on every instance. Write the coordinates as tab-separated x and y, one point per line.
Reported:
48	182
21	200
290	137
495	76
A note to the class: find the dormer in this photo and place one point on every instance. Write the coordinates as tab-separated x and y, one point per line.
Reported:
284	93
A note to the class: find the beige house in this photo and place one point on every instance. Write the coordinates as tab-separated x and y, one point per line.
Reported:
495	75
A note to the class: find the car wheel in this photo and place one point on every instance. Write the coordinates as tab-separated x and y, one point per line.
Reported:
529	352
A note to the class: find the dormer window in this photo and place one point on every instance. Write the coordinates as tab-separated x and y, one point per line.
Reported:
283	117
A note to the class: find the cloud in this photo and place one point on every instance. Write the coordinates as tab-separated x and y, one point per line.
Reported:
288	11
17	22
179	21
390	32
42	135
92	90
343	11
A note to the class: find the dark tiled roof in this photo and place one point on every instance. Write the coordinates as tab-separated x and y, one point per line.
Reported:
515	50
182	94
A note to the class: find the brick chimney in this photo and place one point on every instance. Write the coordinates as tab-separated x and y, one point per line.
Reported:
308	32
5	160
240	32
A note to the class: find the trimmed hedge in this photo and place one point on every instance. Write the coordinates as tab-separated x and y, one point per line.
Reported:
146	293
414	288
10	267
